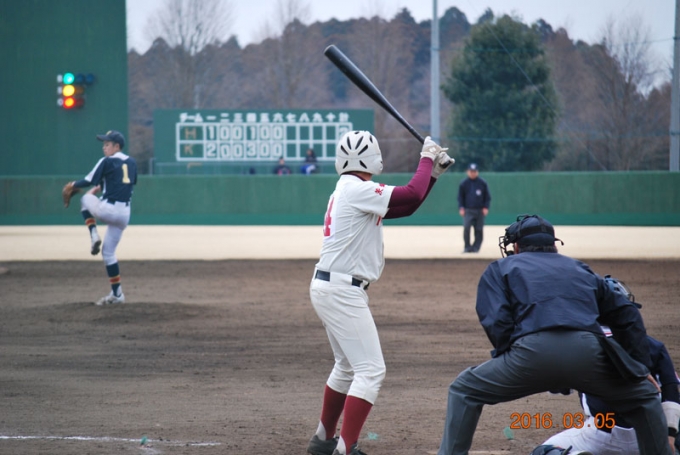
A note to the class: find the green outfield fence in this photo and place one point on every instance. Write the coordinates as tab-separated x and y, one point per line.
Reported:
584	198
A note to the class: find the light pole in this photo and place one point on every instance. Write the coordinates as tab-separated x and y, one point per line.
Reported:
434	76
674	164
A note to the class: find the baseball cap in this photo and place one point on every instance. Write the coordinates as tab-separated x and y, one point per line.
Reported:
113	136
472	167
534	230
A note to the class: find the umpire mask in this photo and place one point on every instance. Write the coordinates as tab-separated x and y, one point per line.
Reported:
527	230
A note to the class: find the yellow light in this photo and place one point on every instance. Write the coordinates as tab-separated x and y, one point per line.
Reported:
68	90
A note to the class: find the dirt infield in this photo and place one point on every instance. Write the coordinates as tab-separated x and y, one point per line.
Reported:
228	356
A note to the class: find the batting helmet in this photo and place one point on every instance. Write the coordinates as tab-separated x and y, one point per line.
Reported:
358	151
527	230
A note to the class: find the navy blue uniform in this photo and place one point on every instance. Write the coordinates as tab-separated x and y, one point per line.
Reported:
473	196
116	174
662	369
607	432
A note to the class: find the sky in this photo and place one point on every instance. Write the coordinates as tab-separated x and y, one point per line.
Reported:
583	19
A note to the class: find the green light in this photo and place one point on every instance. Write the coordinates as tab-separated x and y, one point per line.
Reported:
69	78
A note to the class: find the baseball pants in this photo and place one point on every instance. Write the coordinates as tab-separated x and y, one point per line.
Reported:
621	441
473	218
359	365
116	216
540	362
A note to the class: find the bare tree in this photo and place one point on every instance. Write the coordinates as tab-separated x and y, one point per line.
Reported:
286	69
383	49
575	86
188	27
192	24
624	70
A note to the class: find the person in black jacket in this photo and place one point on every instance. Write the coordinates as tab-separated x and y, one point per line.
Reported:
474	199
542	312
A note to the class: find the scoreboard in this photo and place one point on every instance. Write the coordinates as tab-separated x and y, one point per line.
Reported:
241	136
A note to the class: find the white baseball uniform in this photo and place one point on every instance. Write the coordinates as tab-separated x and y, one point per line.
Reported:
352	251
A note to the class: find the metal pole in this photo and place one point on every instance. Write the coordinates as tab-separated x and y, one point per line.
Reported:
674	165
434	76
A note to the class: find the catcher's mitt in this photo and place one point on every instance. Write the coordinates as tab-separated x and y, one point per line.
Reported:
67	192
550	450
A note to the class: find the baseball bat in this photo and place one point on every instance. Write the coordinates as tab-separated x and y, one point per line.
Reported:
364	84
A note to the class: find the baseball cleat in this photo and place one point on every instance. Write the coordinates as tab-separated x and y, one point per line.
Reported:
354	450
96	244
111	299
318	446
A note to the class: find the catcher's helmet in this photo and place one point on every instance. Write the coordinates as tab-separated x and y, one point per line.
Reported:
358	151
621	288
527	230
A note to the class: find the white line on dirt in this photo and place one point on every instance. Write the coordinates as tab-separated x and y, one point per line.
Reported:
110	439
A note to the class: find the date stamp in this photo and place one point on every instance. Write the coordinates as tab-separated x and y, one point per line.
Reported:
525	420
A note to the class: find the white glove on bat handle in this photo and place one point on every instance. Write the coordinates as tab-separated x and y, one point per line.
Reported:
430	149
441	163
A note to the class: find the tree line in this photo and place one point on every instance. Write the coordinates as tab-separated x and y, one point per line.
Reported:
515	96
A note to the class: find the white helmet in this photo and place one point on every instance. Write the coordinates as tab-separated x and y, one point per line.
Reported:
358	151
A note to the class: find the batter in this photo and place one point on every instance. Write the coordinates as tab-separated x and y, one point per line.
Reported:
351	259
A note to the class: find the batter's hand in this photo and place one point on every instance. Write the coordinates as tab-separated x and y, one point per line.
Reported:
430	149
441	163
67	192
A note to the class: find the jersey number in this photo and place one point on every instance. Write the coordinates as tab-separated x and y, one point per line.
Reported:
126	177
327	221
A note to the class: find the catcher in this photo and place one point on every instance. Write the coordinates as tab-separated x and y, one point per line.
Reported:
116	174
619	439
534	303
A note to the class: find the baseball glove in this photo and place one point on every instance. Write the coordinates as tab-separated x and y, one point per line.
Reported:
550	450
67	192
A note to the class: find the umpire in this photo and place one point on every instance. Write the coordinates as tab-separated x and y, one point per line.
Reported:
542	313
474	199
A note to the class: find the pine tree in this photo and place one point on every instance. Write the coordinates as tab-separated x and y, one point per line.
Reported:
505	110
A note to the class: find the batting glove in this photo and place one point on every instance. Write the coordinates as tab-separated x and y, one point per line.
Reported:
441	163
430	149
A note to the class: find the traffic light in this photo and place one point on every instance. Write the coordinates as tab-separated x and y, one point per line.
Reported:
71	89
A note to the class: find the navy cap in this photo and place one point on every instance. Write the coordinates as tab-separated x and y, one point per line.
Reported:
113	136
534	230
472	167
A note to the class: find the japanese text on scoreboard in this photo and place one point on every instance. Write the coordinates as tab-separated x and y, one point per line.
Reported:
231	136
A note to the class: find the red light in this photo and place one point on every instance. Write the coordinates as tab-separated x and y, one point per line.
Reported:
71	89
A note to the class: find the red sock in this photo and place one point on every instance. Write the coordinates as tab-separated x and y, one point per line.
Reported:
356	412
333	403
